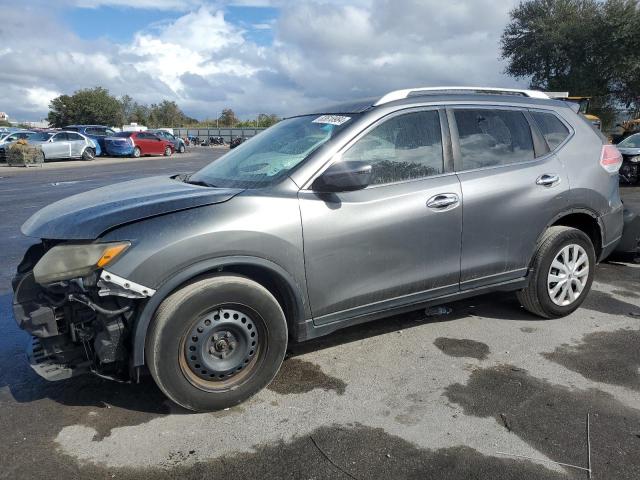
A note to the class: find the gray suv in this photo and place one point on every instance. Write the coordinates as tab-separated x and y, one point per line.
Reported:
323	221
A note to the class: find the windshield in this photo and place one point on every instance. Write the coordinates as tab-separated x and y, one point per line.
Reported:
272	154
630	142
40	137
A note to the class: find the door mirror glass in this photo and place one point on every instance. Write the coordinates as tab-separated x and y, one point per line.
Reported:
344	177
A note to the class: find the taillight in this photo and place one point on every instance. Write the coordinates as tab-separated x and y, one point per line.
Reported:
610	158
131	141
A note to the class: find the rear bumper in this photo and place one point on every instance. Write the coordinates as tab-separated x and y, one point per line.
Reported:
611	225
630	242
119	150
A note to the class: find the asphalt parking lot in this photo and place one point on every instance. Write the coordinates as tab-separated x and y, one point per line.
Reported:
413	396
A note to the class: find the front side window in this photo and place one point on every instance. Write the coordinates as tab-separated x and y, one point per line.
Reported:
552	129
491	138
269	156
60	137
405	147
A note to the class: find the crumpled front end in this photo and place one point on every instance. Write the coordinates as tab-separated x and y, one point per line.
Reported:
78	325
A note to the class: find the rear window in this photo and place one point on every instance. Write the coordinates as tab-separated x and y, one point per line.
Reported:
123	134
552	129
491	138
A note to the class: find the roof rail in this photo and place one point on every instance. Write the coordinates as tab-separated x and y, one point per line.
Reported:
400	94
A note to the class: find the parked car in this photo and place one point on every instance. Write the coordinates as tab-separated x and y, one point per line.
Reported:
630	150
62	144
178	143
137	144
9	138
95	132
235	142
323	221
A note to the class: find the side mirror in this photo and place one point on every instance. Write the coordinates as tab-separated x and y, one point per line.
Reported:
344	177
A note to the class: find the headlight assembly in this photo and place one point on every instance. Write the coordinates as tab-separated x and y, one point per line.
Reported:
63	262
635	159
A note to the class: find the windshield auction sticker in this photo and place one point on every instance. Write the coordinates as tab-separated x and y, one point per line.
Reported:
332	119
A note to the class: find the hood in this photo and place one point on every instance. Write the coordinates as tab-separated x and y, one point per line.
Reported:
87	215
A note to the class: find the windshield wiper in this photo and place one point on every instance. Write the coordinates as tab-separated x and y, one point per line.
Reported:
201	183
187	179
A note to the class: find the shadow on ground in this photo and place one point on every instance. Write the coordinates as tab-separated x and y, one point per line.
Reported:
552	418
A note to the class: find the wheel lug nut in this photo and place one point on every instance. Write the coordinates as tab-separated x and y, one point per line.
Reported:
212	350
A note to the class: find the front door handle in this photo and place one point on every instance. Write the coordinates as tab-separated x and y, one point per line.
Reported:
443	201
548	180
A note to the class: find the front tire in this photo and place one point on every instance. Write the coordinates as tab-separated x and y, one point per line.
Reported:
216	342
181	148
168	152
561	274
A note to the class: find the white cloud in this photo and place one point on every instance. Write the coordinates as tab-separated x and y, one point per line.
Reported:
324	51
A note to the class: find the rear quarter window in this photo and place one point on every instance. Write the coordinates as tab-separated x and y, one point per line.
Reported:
553	130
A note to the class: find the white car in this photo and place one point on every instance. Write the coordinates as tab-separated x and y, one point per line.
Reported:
56	145
8	138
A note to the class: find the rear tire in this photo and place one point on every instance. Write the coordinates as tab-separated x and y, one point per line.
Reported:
88	154
137	152
561	273
216	342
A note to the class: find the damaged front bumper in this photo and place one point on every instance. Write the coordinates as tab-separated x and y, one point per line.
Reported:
77	326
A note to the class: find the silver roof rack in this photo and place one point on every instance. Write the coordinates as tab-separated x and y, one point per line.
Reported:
400	94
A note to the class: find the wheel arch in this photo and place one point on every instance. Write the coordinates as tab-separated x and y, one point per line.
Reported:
584	220
270	275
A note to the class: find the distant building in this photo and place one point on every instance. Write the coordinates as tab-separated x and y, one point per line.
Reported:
4	116
133	127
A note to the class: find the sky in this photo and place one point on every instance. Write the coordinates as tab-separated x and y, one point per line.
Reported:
254	56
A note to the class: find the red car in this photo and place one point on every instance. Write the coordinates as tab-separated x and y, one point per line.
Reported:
136	144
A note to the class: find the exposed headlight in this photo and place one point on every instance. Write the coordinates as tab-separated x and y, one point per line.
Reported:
63	262
635	159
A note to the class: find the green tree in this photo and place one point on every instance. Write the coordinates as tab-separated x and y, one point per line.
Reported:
228	118
92	105
585	47
168	114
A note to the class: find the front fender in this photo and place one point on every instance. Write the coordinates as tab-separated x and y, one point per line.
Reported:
208	266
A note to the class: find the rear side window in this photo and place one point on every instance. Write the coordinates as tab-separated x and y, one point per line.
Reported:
552	129
405	147
74	136
493	137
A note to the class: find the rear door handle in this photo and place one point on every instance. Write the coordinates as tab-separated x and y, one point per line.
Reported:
548	180
443	201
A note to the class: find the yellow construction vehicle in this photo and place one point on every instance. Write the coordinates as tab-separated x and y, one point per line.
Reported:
584	106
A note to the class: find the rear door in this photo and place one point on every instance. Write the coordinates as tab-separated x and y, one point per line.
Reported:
392	243
145	143
77	144
512	188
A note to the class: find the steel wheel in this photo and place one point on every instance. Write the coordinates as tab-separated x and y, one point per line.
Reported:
222	348
568	275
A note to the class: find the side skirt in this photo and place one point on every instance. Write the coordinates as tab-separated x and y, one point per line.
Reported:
309	330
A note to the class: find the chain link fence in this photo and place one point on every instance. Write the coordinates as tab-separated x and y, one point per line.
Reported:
227	134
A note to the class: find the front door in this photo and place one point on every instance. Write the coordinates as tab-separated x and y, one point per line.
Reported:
58	147
395	242
511	192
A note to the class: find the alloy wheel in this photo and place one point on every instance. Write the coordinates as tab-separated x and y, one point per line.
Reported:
568	275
